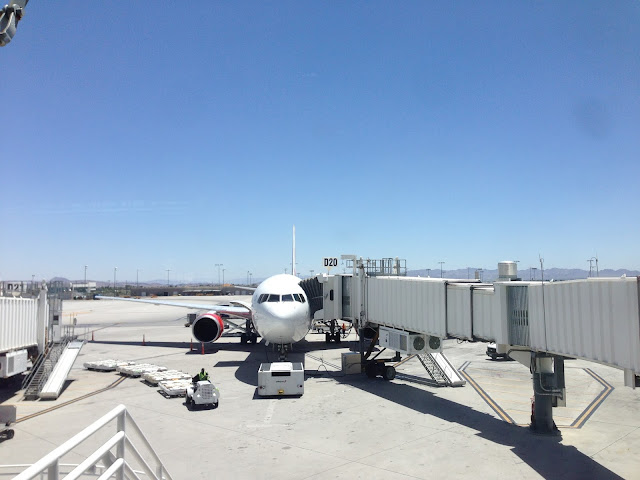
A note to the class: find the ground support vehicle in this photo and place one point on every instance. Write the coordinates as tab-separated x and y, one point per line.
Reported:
493	353
202	394
7	417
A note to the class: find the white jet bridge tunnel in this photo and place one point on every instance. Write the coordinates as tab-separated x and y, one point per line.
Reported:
537	323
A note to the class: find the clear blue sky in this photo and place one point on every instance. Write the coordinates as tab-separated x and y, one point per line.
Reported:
164	135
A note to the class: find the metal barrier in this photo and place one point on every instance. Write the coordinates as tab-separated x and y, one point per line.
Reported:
8	471
116	463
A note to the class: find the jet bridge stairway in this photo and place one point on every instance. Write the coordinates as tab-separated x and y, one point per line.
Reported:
440	370
46	365
55	382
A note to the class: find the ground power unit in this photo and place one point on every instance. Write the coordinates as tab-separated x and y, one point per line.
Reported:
280	379
408	343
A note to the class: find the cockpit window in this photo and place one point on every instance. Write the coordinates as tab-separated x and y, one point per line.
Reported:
262	297
298	297
287	298
273	298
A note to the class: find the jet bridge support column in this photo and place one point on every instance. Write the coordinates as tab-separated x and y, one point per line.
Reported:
548	390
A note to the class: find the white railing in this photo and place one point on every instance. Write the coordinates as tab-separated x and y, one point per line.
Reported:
114	464
10	470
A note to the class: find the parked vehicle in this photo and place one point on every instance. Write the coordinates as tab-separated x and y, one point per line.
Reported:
202	394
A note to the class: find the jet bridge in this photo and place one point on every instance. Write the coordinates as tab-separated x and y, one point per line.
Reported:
538	323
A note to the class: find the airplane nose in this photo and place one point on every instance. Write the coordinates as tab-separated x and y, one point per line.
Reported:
278	325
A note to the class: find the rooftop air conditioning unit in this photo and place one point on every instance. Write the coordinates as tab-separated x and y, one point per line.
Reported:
407	342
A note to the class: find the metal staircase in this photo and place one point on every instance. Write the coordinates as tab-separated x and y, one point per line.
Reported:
36	367
440	370
43	367
432	369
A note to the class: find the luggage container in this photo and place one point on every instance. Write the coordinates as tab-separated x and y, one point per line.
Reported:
107	365
174	388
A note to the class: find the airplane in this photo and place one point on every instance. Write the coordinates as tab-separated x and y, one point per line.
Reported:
279	312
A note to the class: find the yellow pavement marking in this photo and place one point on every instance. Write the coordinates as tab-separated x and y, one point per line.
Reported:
55	407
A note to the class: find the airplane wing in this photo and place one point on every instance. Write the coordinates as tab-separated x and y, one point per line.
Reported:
237	309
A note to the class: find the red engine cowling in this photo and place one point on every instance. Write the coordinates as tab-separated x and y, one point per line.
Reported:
207	327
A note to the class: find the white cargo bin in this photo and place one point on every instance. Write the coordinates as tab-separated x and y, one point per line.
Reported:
108	365
174	388
280	378
154	377
139	370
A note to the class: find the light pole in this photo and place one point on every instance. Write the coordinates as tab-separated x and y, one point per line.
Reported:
137	276
247	277
428	272
250	278
312	272
468	277
441	263
223	270
86	288
534	272
168	270
218	265
115	291
591	265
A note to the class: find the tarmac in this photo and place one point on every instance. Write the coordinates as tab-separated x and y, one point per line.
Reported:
344	426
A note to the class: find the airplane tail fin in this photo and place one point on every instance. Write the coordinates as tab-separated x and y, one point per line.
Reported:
293	253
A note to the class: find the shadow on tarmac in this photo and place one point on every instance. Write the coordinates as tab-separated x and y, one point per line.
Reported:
9	387
546	455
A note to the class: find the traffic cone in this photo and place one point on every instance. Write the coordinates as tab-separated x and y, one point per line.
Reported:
202	351
143	340
92	336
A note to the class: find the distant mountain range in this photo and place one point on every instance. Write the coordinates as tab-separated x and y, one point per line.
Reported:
549	274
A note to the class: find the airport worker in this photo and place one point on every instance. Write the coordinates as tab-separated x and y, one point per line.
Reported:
203	375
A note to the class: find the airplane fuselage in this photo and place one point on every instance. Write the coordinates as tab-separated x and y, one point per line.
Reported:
280	310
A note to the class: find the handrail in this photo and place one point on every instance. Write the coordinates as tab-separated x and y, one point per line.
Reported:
92	459
116	466
27	381
51	462
99	469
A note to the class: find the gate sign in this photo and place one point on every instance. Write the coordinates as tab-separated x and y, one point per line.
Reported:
15	287
329	262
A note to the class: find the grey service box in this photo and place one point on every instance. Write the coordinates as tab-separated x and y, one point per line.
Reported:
13	363
351	363
280	378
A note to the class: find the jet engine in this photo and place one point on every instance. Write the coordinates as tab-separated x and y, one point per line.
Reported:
207	327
